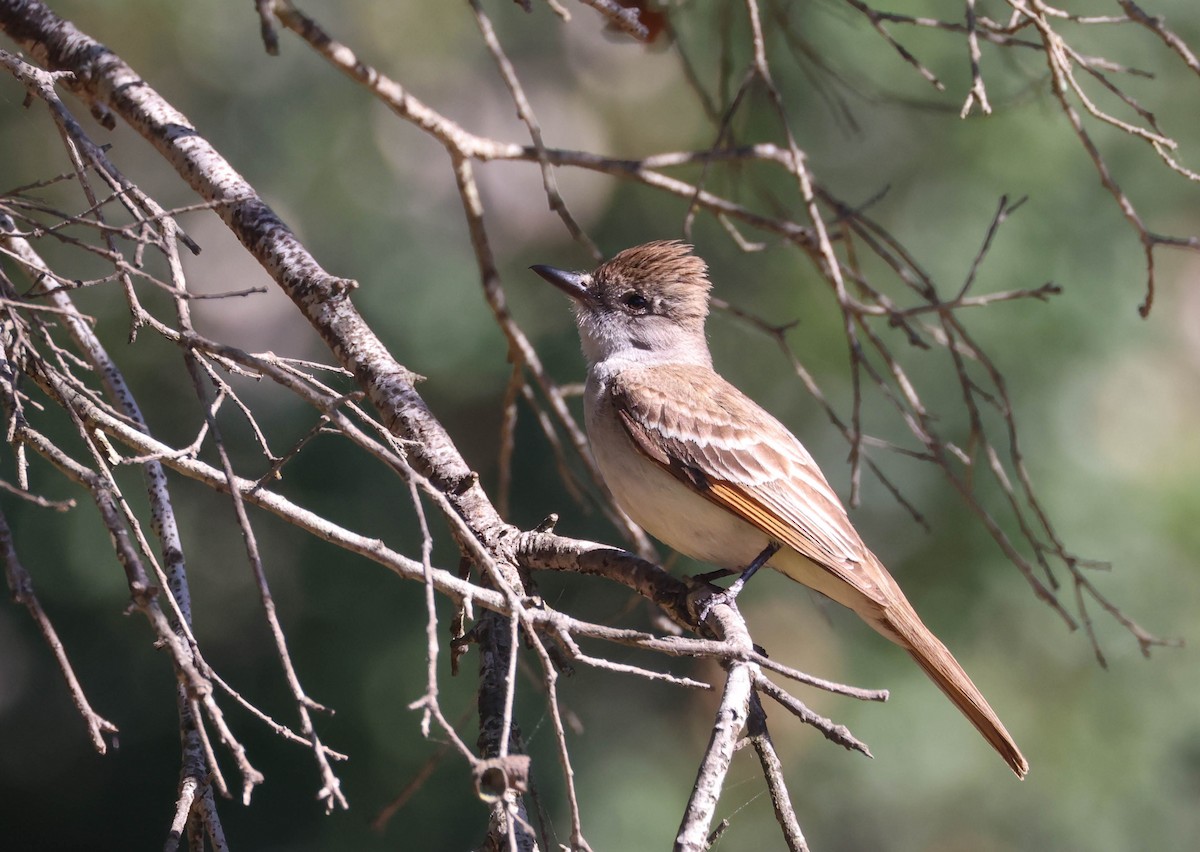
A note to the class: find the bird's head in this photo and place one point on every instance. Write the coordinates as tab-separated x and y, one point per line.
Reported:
647	303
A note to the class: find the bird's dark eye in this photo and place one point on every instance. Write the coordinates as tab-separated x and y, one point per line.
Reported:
635	300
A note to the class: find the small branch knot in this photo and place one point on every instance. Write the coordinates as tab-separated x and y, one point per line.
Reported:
498	775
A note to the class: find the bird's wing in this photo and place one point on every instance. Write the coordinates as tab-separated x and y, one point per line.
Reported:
744	460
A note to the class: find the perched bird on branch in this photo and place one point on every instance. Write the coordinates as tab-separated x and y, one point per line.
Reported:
704	469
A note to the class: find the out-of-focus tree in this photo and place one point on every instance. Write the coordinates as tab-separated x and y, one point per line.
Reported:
942	220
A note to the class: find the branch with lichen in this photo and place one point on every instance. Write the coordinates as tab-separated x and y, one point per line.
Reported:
884	315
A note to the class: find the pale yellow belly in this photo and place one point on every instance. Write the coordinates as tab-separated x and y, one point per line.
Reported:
685	521
677	516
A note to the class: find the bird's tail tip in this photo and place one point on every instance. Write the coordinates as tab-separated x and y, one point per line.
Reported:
944	670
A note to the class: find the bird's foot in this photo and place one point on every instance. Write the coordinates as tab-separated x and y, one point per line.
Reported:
727	597
730	595
709	576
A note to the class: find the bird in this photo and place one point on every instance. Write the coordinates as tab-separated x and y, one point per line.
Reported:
701	467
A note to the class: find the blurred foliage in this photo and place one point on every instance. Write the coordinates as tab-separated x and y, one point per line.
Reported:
1109	406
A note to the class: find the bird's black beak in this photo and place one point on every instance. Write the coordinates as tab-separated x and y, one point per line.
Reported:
574	284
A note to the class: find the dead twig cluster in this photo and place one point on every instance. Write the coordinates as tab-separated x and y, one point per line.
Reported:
56	370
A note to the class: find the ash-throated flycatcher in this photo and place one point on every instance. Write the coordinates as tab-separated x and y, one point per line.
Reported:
700	466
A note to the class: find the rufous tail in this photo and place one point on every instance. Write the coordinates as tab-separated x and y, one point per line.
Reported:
900	623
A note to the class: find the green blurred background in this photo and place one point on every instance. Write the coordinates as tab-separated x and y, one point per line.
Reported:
1108	405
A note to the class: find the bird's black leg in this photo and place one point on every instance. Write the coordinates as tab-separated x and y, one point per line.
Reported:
759	561
730	595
